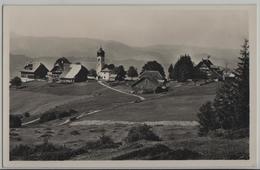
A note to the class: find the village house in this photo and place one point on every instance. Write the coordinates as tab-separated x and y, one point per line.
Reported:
34	70
209	70
103	72
150	82
74	73
228	74
64	71
58	69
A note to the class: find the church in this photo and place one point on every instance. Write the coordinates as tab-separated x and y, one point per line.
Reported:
102	72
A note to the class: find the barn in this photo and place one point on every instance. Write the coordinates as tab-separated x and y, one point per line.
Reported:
150	82
58	68
34	70
209	70
74	73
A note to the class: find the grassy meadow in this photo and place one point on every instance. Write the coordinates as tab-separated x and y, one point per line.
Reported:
113	115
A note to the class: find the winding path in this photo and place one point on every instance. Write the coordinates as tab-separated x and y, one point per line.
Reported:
140	97
30	122
93	112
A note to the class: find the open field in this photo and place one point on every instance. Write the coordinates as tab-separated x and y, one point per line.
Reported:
177	104
103	111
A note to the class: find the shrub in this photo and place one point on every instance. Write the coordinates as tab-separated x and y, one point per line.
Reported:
47	116
15	121
62	154
207	118
159	152
74	132
102	143
61	115
26	114
141	132
230	134
16	81
72	111
20	152
45	147
55	114
45	151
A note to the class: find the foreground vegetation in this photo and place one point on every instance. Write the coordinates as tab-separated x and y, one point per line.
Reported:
230	108
124	142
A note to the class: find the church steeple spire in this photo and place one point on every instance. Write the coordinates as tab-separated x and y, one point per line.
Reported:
101	52
100	60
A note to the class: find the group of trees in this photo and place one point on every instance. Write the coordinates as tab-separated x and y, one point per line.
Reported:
153	66
120	71
230	108
182	70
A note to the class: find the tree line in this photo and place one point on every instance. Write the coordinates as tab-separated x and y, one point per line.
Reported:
230	108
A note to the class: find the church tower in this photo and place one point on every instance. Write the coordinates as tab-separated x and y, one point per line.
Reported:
100	60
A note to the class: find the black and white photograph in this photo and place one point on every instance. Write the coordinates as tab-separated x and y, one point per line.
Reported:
129	82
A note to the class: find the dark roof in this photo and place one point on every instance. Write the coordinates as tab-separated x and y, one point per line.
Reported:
32	67
152	75
59	64
207	62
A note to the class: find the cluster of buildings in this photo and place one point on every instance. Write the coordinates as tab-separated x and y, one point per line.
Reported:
64	71
213	72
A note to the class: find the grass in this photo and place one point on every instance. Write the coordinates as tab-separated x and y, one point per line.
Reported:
77	89
86	142
141	132
159	152
180	103
90	143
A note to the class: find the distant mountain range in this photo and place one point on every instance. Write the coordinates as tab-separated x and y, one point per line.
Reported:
47	49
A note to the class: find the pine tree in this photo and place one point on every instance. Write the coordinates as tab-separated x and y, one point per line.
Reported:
232	99
231	104
207	118
241	84
183	69
170	71
224	104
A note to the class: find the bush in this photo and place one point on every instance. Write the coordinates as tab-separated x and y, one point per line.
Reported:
16	81
141	132
207	118
102	143
20	152
45	151
15	121
230	134
74	132
159	152
26	114
54	114
47	116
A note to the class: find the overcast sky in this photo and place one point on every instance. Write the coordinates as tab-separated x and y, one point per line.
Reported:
219	27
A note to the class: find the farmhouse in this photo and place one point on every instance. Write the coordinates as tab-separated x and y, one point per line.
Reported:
73	73
209	70
150	82
34	70
58	68
107	75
